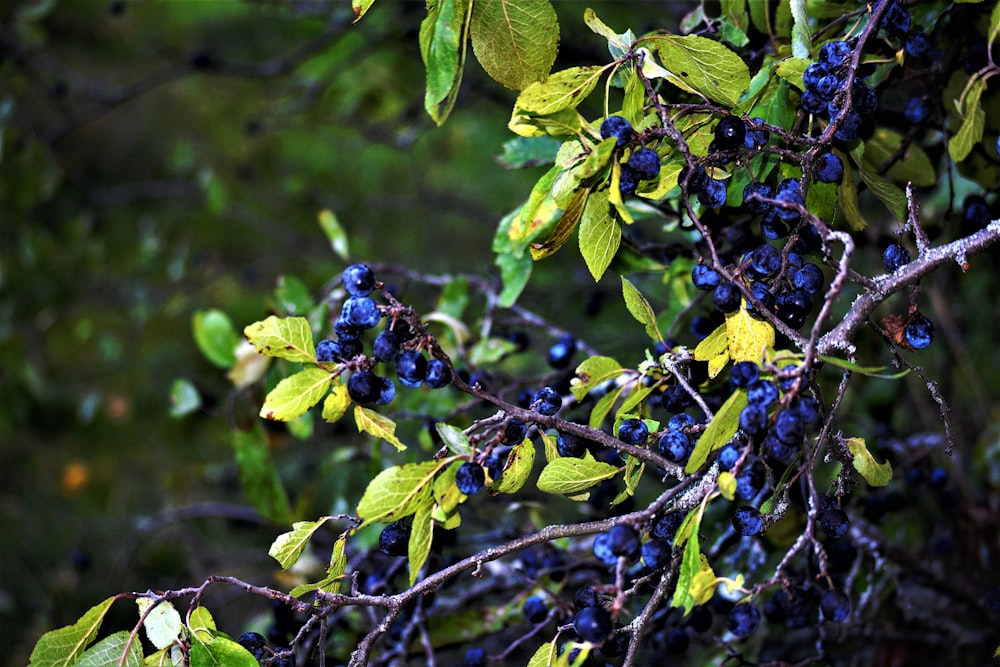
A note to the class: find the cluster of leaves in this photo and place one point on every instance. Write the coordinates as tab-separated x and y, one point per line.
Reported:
794	541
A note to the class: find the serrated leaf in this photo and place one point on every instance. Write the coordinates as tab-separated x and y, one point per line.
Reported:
640	309
747	337
564	89
378	425
871	371
221	652
564	228
592	372
517	468
287	547
421	534
875	473
702	66
258	477
443	44
118	649
63	646
971	129
569	476
912	165
336	402
455	438
215	336
285	337
515	42
334	233
397	492
545	656
719	431
163	624
294	395
600	234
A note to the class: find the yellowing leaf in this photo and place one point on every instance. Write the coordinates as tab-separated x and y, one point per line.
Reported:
876	474
294	395
564	89
713	345
702	66
518	468
727	484
163	624
515	42
569	476
286	337
336	403
748	338
378	425
568	221
398	491
287	547
592	372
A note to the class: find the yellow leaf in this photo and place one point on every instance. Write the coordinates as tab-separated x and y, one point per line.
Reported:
748	337
369	421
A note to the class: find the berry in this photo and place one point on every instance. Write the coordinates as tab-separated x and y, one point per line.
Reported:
705	277
762	392
513	432
765	260
365	387
617	127
829	168
748	521
812	102
623	541
744	620
713	194
547	401
386	346
570	445
585	597
750	479
361	311
616	646
775	450
788	427
753	419
976	211
633	431
394	540
470	478
680	421
760	292
896	20
696	181
327	350
808	278
895	256
918	44
808	409
665	528
916	110
562	350
828	86
813	73
788	198
729	454
645	163
675	446
756	138
835	55
494	468
676	641
438	374
593	624
628	180
345	330
411	368
753	190
358	280
474	657
834	522
836	605
602	549
656	554
919	332
792	307
730	133
700	619
535	609
850	125
727	297
254	643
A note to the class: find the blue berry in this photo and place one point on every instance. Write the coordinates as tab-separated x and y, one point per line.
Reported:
812	102
754	190
675	398
345	330
628	180
793	307
916	110
836	605
813	73
744	373
665	528
570	445
726	297
547	401
254	643
828	86
358	280
834	522
474	657
808	409
713	194
729	454
829	168
361	311
760	292
896	20
623	541
789	427
645	163
788	198
705	277
675	446
386	346
513	432
750	479
680	421
919	332
775	450
808	278
918	44
656	554
394	540
836	55
762	392
494	467
753	418
730	133
602	549
744	620
748	521
593	624
976	211
894	257
998	147
366	388
327	350
765	260
438	374
618	127
562	351
756	138
470	478
411	368
535	609
633	431
850	125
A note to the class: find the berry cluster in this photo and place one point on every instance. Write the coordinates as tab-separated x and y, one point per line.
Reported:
643	164
851	105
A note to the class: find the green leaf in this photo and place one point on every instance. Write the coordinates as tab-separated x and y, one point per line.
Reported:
515	42
748	338
117	649
801	42
335	234
847	199
421	533
455	438
569	476
163	624
702	66
600	234
201	624
221	652
545	656
518	468
601	409
215	336
592	372
640	309
539	214
285	337
871	371
292	296
886	192
336	403
695	572
564	89
973	119
913	165
294	395
618	44
876	474
397	492
523	152
720	430
563	230
361	7
446	493
184	398
378	425
62	647
514	272
258	476
443	40
287	547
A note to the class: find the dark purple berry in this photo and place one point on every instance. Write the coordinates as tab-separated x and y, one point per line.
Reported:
919	332
894	257
327	350
713	193
808	278
705	277
834	522
394	540
623	541
829	168
744	620
645	163
633	432
748	521
361	311
593	624
470	478
562	351
836	605
617	127
730	133
411	368
752	191
753	419
675	446
535	609
727	297
547	401
438	374
358	280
